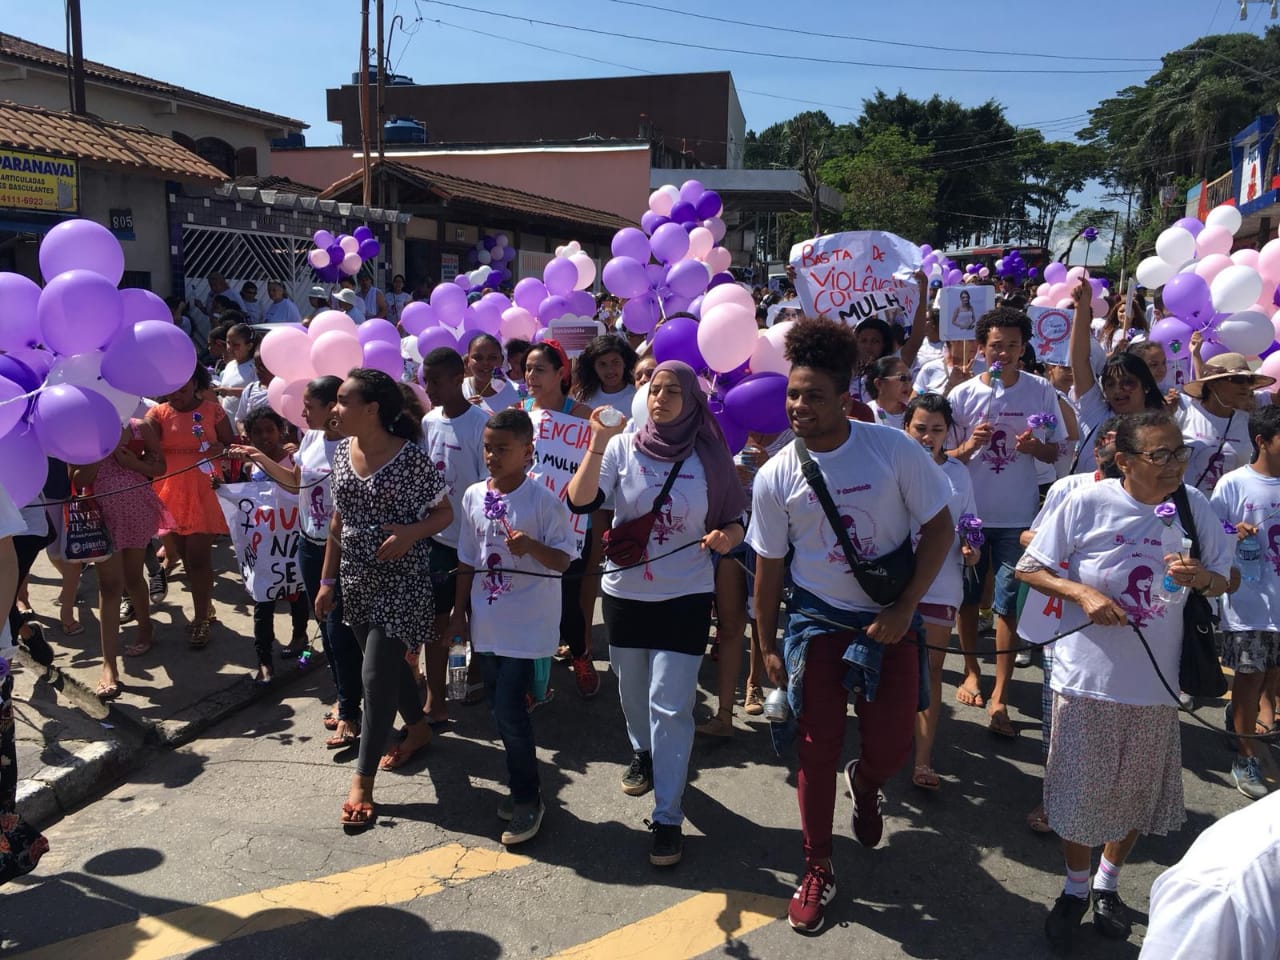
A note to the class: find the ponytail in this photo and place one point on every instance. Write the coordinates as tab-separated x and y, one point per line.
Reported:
374	386
405	427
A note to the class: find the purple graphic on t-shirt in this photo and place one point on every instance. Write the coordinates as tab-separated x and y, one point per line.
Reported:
1136	597
671	519
1273	547
496	582
316	507
998	454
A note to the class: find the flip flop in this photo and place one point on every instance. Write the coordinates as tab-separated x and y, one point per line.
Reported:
139	649
108	691
925	778
341	740
969	698
357	817
1038	822
330	721
396	757
1002	726
72	630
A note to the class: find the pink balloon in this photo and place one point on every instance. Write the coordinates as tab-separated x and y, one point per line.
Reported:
586	268
767	357
728	293
1271	368
726	335
1214	240
23	467
75	424
79	310
660	202
381	355
1076	274
1247	257
335	354
81	245
1209	267
719	260
700	243
417	316
1268	260
329	321
717	228
287	353
291	403
517	324
275	395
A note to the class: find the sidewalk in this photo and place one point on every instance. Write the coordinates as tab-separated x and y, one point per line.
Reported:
71	746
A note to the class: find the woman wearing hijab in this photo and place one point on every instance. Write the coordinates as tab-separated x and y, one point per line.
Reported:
658	614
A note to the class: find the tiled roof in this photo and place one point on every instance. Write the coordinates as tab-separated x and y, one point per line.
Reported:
448	187
17	49
100	141
283	184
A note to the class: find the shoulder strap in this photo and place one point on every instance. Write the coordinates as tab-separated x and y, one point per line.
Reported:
1217	453
666	487
1087	438
1187	519
813	476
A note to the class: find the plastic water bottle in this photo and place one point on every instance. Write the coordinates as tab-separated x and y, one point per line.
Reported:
611	417
1249	558
457	669
1171	588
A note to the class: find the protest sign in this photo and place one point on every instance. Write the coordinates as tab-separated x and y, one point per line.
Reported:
559	444
855	275
1041	616
959	308
263	520
1051	335
574	333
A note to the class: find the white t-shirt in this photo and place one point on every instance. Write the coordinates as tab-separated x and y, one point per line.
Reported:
632	481
1245	494
1203	432
932	376
505	397
315	503
456	447
1041	616
928	351
514	615
885	486
253	397
1092	412
1004	480
370	301
886	418
948	587
620	401
236	374
1116	545
396	303
1222	899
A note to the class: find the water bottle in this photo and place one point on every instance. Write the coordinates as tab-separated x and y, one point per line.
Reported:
1171	588
457	670
610	417
776	706
1249	558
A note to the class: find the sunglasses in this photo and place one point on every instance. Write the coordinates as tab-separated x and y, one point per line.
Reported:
899	377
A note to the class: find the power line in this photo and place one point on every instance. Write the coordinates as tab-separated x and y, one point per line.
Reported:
774	28
768	54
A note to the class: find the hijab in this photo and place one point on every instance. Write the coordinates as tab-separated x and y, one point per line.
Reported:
695	431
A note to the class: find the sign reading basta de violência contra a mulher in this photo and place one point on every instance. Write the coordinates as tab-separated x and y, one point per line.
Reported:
31	181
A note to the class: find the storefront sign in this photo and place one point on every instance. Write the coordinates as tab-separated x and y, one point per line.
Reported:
448	267
29	181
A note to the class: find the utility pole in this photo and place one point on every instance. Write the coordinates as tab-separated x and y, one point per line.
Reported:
380	113
77	59
365	111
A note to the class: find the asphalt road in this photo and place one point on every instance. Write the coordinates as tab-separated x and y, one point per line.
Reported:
231	848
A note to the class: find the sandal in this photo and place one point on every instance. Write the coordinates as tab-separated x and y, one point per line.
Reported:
330	720
397	757
1001	725
925	778
343	738
970	698
199	638
107	691
140	648
1038	821
73	629
358	816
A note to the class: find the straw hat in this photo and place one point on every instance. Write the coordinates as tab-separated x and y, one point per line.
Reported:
1221	367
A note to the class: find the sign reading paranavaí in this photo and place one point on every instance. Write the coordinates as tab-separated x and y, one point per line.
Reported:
30	181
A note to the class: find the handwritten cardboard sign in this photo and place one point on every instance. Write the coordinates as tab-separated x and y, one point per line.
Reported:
559	444
855	275
1051	335
263	520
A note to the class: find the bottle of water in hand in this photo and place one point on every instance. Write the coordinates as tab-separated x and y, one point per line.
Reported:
1170	587
457	676
1249	558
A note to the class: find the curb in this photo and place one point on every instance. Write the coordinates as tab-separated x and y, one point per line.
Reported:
55	791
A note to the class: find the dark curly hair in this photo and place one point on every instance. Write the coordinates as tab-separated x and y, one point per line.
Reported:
587	380
263	413
930	403
824	345
1002	317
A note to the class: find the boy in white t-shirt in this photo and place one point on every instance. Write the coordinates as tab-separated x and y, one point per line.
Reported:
1001	448
1248	499
516	531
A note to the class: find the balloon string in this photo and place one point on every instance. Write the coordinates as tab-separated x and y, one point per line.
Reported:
27	396
166	476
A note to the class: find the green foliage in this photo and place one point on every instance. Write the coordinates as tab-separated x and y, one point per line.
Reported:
886	185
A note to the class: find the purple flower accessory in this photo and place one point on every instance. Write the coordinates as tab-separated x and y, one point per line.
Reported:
197	431
1042	421
1228	528
495	509
970	530
1167	513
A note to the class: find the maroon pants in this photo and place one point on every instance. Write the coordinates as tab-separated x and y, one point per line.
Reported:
887	727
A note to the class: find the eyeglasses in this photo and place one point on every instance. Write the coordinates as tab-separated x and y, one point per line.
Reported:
900	378
1162	456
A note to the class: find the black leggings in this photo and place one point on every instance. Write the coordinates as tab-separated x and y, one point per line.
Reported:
27	549
388	685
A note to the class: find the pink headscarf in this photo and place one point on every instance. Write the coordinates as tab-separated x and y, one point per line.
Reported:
695	430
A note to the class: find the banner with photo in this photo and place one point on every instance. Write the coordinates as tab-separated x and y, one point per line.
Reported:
960	307
857	274
263	520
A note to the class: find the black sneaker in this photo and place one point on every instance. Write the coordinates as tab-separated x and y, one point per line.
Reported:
1110	915
668	844
638	780
126	610
1064	920
158	584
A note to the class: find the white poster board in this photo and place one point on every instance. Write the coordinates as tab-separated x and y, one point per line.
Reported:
559	444
960	307
574	333
263	521
857	274
1051	335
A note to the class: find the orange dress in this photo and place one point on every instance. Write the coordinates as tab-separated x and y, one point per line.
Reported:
188	495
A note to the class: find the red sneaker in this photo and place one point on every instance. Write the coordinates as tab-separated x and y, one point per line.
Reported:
809	902
584	671
867	820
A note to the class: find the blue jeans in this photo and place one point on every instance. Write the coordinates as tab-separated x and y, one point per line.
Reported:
1003	550
506	680
658	689
341	648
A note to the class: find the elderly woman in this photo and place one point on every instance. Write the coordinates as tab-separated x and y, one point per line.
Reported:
1215	421
1115	765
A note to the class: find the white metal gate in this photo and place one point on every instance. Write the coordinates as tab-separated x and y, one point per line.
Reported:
244	255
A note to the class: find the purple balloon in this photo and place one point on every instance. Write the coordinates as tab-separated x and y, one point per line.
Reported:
1170	329
362	233
448	300
417	316
1186	295
79	311
23	467
381	355
490	242
529	293
323	239
688	278
739	373
149	359
336	254
81	245
436	337
75	424
139	305
1211	348
696	307
1275	345
560	275
674	303
21	374
670	242
641	314
759	402
375	328
622	276
691	190
38	362
684	213
582	303
677	339
483	318
1190	224
708	205
369	249
720	278
552	308
630	242
650	221
1033	273
19	324
735	435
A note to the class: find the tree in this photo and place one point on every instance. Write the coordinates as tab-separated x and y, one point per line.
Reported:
885	186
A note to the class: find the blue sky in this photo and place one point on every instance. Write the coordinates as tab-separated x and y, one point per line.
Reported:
284	61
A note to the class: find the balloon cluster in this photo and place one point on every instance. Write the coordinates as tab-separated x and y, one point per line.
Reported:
1059	282
1012	267
334	257
1228	297
77	356
936	267
666	266
491	260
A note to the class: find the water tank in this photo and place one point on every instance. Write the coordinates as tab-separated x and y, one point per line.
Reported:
294	141
403	131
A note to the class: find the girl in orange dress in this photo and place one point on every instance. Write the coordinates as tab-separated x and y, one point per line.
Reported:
192	429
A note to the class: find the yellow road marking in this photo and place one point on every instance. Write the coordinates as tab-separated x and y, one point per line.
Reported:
191	928
690	928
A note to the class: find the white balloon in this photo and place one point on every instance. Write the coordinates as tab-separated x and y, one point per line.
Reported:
767	357
1175	245
85	370
484	257
409	349
1236	288
1155	271
1248	333
1227	217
